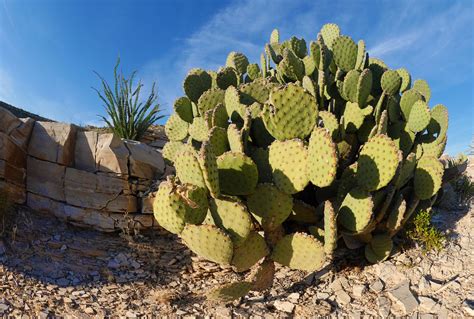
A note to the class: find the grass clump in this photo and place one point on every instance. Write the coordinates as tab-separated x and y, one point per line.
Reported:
128	117
422	232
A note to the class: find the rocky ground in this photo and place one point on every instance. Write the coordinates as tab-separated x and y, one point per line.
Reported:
51	269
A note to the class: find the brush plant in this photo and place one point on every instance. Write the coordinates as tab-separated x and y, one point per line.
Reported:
281	161
128	116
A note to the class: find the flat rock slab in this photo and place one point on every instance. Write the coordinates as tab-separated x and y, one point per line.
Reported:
404	297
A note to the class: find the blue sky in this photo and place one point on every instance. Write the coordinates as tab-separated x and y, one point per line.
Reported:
48	49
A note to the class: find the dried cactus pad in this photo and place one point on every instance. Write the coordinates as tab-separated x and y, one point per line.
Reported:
238	174
377	163
269	206
233	217
209	242
322	158
299	251
428	177
289	172
356	210
176	129
230	292
379	248
293	113
249	252
263	278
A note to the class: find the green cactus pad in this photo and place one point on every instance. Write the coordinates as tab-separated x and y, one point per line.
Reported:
428	177
183	107
269	206
330	229
250	252
232	216
196	82
391	82
210	99
361	55
419	117
317	232
406	171
238	174
291	66
233	103
309	65
355	212
188	169
208	163
238	61
260	157
289	172
234	136
309	85
299	251
377	163
406	79
175	128
330	123
345	53
169	209
253	71
218	140
403	139
275	36
304	213
395	218
353	117
230	292
217	117
209	242
350	85
407	100
439	121
379	248
377	67
258	90
196	200
198	129
227	77
322	158
170	149
330	32
423	87
292	114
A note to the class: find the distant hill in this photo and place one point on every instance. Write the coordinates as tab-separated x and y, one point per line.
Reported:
22	113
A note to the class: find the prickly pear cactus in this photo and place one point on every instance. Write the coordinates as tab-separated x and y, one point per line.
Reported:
277	161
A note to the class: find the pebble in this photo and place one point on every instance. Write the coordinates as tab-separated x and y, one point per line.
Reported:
427	305
377	286
284	306
358	290
89	311
384	305
404	297
342	297
293	297
3	307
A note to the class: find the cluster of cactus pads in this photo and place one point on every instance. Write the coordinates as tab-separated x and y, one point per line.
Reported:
277	163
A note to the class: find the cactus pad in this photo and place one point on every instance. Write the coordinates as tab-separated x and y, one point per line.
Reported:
322	158
419	117
304	213
330	123
299	251
330	32
269	206
208	163
345	53
238	61
209	242
439	121
356	210
428	177
293	113
260	157
263	278
169	209
353	117
209	100
183	107
395	218
379	248
330	229
232	216
234	136
170	149
407	100
423	87
176	129
218	139
196	82
377	163
289	172
238	174
188	169
391	82
406	79
230	292
227	77
249	252
198	129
